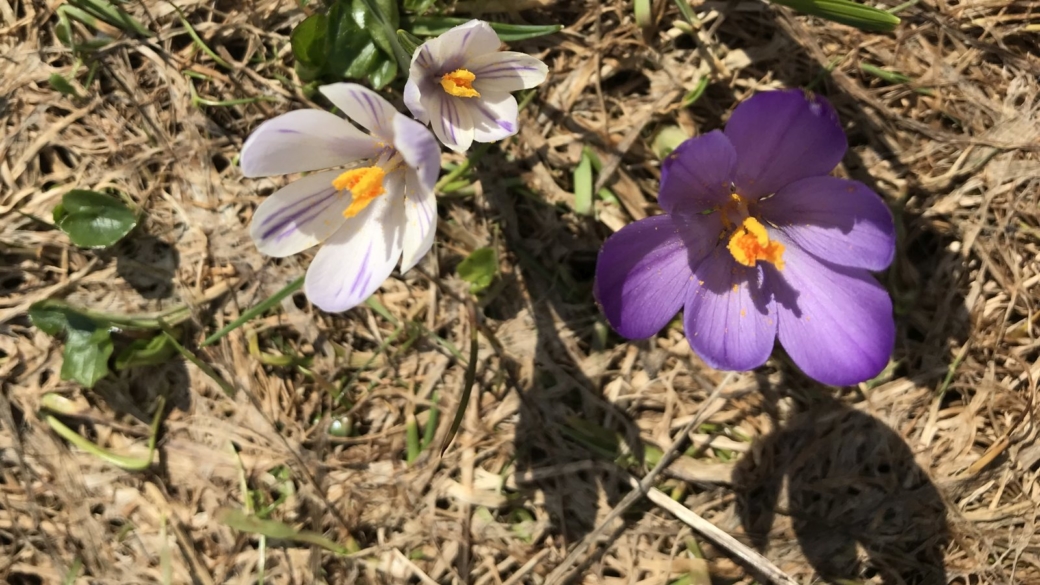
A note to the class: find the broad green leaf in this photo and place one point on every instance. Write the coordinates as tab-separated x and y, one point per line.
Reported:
432	26
846	12
479	269
146	352
383	73
308	40
87	349
371	24
51	317
92	219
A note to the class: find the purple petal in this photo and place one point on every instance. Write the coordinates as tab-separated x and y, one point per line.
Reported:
419	149
299	215
643	271
303	140
730	319
697	175
840	221
364	106
494	116
836	323
783	136
356	260
505	71
450	121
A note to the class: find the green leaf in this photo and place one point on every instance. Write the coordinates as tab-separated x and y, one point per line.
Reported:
62	85
308	40
668	139
239	520
384	72
479	269
409	42
432	26
418	6
92	219
146	352
846	12
51	317
87	349
370	23
583	185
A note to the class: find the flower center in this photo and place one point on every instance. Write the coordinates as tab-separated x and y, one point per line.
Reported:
459	83
750	243
364	184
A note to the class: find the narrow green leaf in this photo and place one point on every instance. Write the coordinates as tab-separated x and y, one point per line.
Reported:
668	139
409	42
884	74
418	6
239	520
643	12
583	185
94	220
113	15
846	12
123	461
146	352
695	94
62	85
253	312
432	26
479	269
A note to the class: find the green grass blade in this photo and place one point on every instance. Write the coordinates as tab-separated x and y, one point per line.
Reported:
259	309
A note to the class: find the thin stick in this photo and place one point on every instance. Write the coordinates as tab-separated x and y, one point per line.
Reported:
562	571
738	549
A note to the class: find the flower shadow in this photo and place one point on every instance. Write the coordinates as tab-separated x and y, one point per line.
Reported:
842	482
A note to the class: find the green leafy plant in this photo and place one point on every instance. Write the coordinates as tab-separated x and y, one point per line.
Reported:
88	343
92	219
479	269
348	42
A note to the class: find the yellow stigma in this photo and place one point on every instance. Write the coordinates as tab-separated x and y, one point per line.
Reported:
750	243
459	83
364	184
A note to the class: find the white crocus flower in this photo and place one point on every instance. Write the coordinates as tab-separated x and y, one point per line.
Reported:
377	209
459	83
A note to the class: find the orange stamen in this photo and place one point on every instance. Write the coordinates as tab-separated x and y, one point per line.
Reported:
364	184
750	243
459	83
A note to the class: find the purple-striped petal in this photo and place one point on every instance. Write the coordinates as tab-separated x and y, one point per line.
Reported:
458	46
697	175
494	116
356	260
299	215
420	212
836	323
642	275
783	136
419	149
364	106
730	319
840	221
303	140
505	71
450	121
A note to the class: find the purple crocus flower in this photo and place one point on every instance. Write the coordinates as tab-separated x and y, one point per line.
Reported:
378	209
758	242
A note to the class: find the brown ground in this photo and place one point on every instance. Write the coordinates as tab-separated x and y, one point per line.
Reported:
927	475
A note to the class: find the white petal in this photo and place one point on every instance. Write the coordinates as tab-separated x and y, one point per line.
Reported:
507	71
494	116
413	99
419	149
303	140
299	215
364	106
420	211
456	47
356	260
451	121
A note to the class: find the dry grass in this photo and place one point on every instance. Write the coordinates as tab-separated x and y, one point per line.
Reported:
927	476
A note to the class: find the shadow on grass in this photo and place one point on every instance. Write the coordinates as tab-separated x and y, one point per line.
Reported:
847	482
